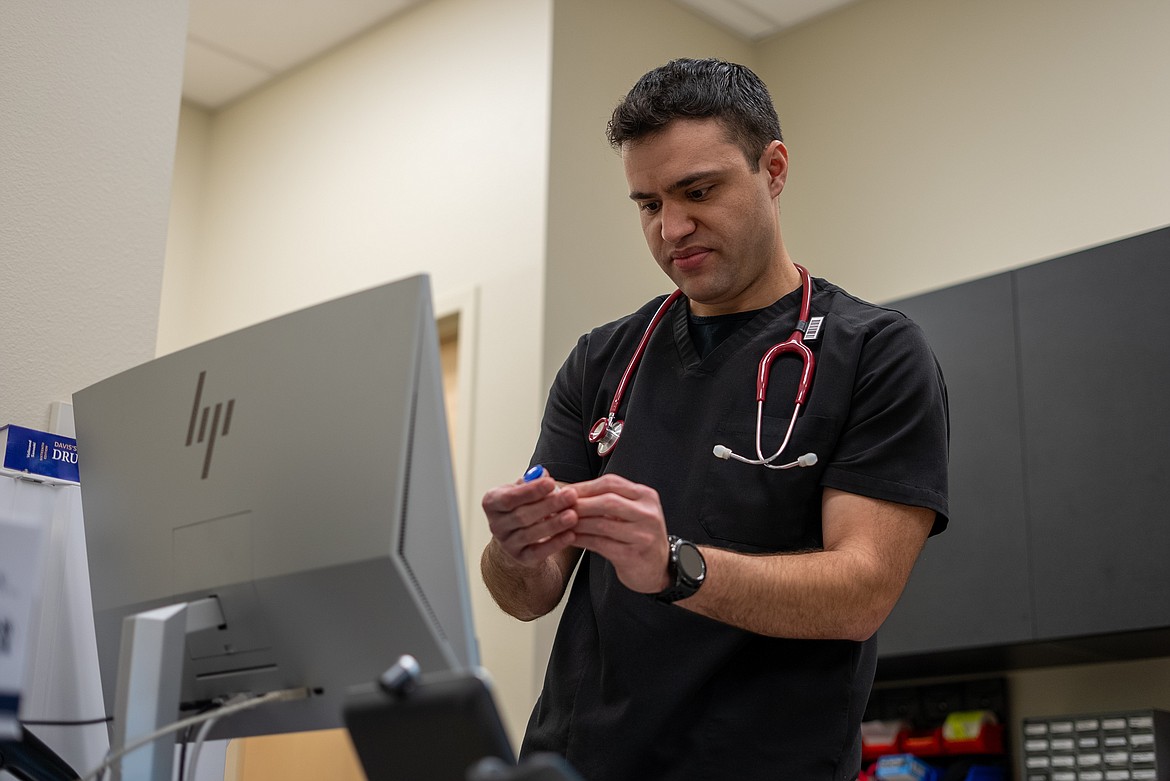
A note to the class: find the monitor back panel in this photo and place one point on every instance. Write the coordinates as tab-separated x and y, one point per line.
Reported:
299	471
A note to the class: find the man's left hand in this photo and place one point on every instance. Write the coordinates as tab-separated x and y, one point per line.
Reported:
623	522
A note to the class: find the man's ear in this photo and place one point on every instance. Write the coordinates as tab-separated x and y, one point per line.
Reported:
774	161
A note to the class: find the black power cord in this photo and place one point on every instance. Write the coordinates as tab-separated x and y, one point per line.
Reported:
81	723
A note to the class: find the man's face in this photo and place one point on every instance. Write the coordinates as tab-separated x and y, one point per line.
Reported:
710	221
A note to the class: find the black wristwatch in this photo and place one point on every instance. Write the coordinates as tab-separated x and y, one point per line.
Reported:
688	568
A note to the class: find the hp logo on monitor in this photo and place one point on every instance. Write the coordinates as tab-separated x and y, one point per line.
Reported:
206	423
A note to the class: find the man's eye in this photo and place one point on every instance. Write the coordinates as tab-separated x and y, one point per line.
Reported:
649	206
699	194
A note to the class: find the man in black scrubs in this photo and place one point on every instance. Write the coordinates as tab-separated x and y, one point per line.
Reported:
721	622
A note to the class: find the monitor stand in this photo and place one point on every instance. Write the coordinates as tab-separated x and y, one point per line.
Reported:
150	675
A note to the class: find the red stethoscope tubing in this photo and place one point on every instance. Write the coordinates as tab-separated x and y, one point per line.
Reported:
605	432
793	344
639	350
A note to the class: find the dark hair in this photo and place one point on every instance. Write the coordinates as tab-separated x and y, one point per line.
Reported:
699	89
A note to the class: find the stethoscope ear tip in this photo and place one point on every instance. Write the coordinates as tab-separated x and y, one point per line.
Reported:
721	451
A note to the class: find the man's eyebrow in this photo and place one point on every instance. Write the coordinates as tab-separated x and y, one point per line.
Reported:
681	184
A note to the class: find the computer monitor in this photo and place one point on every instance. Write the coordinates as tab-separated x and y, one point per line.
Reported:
299	472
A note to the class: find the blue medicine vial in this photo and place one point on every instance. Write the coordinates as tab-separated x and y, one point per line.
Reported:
534	473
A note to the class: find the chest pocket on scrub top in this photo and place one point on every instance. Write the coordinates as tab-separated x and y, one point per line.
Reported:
767	510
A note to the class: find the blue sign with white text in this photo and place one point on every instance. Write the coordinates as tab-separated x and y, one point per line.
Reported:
39	453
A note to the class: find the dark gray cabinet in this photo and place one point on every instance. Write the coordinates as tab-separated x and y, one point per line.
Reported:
967	590
1095	350
1058	377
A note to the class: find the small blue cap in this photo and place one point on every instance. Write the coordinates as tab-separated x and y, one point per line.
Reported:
534	473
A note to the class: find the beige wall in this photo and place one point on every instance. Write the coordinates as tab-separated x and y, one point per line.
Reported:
934	141
90	101
179	301
419	146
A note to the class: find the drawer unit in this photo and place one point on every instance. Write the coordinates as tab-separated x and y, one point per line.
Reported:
1125	746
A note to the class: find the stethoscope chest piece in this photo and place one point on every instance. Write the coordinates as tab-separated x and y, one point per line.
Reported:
605	435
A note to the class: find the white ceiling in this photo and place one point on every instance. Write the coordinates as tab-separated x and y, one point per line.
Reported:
234	46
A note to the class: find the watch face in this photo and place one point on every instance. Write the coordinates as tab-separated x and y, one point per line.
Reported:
691	563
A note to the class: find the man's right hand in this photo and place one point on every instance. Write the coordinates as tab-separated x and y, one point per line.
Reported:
527	565
531	521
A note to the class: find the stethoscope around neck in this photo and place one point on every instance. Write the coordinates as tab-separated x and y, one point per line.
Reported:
606	431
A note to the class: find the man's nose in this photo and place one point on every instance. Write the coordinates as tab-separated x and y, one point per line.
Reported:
677	223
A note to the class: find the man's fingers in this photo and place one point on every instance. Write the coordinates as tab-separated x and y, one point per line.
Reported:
522	536
616	529
507	498
613	484
549	546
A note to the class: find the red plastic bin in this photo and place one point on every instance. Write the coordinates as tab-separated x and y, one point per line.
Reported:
924	744
989	741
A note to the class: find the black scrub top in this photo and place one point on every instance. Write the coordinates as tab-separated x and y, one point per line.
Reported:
636	689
